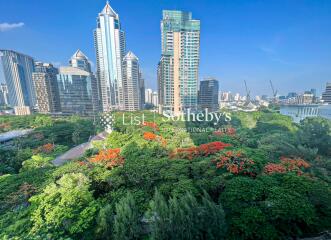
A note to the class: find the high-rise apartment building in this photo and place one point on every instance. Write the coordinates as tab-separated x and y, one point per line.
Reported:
178	68
236	97
227	97
109	43
326	96
3	94
17	69
208	95
80	60
47	91
75	89
155	99
148	95
131	82
142	90
305	98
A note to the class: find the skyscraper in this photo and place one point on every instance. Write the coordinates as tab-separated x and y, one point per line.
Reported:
18	70
47	91
326	96
178	68
142	89
75	88
155	99
80	60
109	43
131	83
208	94
148	95
3	94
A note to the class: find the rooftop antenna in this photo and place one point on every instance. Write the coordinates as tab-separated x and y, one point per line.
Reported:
274	92
248	93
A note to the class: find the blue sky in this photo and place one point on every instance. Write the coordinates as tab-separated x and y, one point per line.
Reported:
286	41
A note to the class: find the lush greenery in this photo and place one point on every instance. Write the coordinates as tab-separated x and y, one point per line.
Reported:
50	137
259	176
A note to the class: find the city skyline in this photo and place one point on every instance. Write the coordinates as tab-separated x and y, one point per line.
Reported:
283	41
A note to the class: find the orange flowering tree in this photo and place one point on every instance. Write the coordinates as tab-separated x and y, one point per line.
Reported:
4	127
46	148
228	131
286	164
212	148
274	168
202	150
236	162
151	125
185	153
110	158
149	136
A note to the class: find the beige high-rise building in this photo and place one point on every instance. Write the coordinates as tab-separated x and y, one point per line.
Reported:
149	95
45	84
131	82
178	68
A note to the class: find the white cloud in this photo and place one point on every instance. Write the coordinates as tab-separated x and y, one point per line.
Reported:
268	50
9	26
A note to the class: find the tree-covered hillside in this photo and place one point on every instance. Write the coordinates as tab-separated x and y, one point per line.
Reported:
259	176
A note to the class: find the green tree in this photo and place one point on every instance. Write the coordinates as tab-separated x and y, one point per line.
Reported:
316	133
43	121
105	222
66	208
36	161
186	218
158	216
126	224
212	224
117	140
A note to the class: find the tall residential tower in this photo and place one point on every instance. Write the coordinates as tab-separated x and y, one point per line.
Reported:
47	91
178	68
326	96
131	83
109	43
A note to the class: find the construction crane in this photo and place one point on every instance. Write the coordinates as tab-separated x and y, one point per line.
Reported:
248	93
274	92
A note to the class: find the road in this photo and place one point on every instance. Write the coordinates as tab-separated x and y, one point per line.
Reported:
77	151
7	136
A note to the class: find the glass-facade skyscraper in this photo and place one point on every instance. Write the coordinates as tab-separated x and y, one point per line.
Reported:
178	68
80	60
208	95
75	89
18	70
109	43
